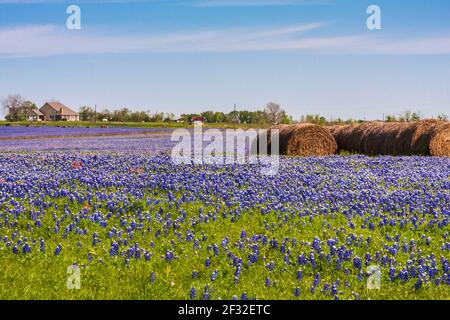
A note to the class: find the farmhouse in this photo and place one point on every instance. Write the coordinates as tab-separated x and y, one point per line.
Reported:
56	111
34	115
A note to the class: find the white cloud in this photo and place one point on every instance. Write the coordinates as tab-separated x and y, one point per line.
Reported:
35	41
415	46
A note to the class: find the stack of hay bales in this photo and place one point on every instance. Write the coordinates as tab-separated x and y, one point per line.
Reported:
428	137
304	140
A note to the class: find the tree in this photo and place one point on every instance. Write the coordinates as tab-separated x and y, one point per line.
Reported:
169	117
218	117
245	116
286	119
409	116
209	116
233	117
314	118
13	105
391	118
274	113
157	117
259	117
442	117
87	113
104	114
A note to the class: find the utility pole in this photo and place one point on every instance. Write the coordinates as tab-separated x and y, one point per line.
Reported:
95	114
235	116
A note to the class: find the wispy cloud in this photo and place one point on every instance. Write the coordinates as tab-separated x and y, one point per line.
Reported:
50	40
35	41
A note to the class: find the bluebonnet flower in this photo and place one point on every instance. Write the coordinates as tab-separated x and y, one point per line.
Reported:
170	256
114	249
418	284
95	239
153	277
206	295
147	256
214	275
193	293
26	248
58	250
361	276
357	263
297	292
316	280
334	290
302	259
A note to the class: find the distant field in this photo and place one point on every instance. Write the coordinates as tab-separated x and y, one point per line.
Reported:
137	226
34	132
127	124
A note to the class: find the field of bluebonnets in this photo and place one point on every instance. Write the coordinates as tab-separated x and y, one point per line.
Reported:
140	227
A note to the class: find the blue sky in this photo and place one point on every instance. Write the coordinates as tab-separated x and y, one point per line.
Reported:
311	56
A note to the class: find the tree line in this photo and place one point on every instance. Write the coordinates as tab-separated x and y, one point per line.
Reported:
16	109
273	113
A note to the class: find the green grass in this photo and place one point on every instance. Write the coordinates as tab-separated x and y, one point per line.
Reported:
43	275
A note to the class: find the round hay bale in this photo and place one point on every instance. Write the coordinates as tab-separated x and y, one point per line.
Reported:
269	136
333	129
341	135
423	134
389	135
371	143
355	138
428	137
404	138
440	141
306	140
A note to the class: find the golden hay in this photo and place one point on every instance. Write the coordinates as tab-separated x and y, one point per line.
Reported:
428	137
305	140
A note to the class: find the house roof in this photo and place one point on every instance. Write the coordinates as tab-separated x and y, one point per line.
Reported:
58	106
34	112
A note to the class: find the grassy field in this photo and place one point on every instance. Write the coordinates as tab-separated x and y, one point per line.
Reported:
223	220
